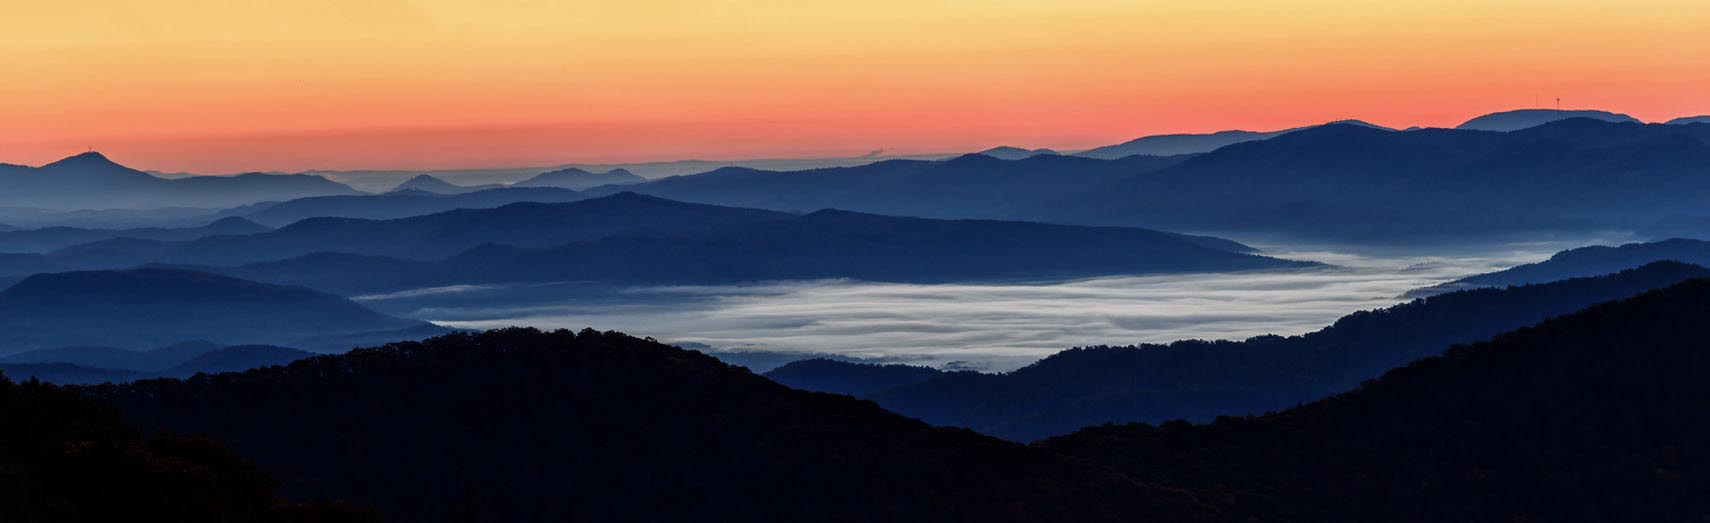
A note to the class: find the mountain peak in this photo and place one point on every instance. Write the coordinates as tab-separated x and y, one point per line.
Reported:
1518	119
1005	152
83	160
426	183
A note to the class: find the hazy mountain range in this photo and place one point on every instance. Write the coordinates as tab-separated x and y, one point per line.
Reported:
1527	118
91	181
144	308
94	365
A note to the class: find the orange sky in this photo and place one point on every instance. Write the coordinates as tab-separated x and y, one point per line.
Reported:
232	85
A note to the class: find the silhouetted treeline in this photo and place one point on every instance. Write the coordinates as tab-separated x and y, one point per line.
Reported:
520	425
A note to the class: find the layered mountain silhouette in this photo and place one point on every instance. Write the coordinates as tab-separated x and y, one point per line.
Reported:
436	235
54	238
632	238
144	308
529	426
819	245
1687	120
430	184
1524	118
1177	144
577	179
1582	262
1199	380
1355	183
150	360
1015	153
91	181
970	186
394	204
1340	182
92	365
1585	417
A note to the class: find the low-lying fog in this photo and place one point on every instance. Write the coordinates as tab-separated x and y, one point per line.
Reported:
987	326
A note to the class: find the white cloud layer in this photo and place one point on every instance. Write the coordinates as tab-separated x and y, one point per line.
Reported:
992	326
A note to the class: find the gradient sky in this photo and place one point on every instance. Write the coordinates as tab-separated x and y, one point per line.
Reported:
235	85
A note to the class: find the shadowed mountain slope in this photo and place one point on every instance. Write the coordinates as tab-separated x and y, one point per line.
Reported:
1592	416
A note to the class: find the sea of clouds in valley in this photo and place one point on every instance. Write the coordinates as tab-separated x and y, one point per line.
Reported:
986	326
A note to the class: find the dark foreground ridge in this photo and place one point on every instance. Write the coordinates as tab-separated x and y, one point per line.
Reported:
66	458
520	425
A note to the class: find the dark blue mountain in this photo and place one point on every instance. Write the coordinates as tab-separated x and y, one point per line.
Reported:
970	186
154	307
95	365
54	238
1357	183
1006	152
1199	380
1525	118
236	359
432	236
1179	144
1583	262
824	244
394	205
578	179
429	184
91	181
1686	120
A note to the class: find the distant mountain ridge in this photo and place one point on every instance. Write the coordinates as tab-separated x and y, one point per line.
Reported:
1583	262
142	308
96	365
1179	144
762	245
91	181
1006	152
54	238
577	179
402	204
431	184
1526	118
